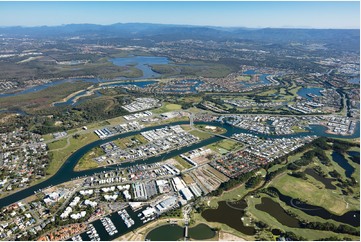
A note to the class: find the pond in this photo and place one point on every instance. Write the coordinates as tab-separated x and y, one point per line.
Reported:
354	156
229	214
275	210
341	161
305	92
173	232
326	181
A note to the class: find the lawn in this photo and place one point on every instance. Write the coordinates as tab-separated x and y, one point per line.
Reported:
167	107
229	145
87	162
200	134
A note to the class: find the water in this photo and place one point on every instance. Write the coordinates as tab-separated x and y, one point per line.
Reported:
352	218
118	223
354	156
309	90
275	210
142	63
354	81
262	78
66	172
71	101
201	232
250	72
229	215
179	86
173	232
141	84
52	83
326	181
320	130
169	232
340	159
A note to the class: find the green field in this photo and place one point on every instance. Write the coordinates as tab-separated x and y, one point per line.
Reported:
200	134
87	162
167	107
224	146
62	149
312	194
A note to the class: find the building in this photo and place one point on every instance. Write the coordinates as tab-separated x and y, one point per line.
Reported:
186	193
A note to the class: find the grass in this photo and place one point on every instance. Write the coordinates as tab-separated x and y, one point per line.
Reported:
226	144
186	127
167	107
312	194
297	129
233	194
60	156
182	162
87	162
200	134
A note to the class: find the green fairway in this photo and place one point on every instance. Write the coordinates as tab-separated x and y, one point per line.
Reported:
312	194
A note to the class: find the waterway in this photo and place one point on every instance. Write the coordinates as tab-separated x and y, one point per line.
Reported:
173	232
51	84
341	161
309	90
66	172
142	63
71	101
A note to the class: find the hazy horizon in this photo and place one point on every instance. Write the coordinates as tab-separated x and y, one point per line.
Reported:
307	15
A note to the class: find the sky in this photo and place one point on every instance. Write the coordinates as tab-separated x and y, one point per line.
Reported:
253	14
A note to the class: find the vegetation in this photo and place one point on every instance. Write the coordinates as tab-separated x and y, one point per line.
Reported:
87	162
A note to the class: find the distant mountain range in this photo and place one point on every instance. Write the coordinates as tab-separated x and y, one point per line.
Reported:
165	32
